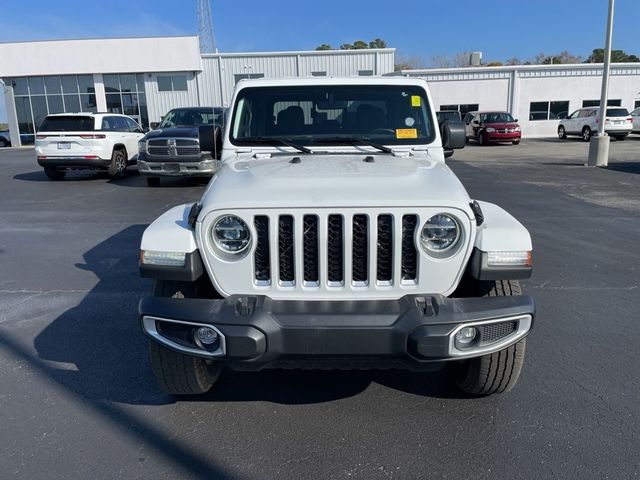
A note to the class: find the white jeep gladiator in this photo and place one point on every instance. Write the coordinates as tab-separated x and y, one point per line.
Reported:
335	236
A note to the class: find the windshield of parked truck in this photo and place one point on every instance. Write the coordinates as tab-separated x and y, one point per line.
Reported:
192	118
496	117
332	114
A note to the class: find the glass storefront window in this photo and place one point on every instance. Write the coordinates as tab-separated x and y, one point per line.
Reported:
20	86
85	82
71	103
111	83
88	103
69	84
55	103
53	85
36	86
39	108
127	83
114	103
25	119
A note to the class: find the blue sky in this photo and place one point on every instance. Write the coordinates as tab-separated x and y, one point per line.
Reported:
501	29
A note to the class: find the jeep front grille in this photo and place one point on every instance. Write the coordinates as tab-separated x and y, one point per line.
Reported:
335	249
170	147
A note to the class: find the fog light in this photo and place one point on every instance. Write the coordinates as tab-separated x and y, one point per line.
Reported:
206	336
466	337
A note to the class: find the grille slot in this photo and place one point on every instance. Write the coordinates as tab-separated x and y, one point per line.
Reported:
262	260
335	250
310	249
384	271
497	331
409	253
183	147
286	249
360	251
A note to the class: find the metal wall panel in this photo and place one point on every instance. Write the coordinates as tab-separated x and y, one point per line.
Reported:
159	103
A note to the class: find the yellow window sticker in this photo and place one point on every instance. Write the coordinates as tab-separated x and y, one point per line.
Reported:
406	132
416	101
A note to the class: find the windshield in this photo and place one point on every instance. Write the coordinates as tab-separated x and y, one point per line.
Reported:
332	114
496	117
192	118
67	124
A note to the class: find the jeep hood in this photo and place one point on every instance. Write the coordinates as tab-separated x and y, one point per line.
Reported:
338	180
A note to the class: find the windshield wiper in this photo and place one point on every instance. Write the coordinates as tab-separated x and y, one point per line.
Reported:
281	141
355	141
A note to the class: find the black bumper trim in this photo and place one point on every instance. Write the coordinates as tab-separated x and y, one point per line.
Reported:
74	162
260	331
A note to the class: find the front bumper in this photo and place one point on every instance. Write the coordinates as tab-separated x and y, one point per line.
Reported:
177	168
412	332
502	137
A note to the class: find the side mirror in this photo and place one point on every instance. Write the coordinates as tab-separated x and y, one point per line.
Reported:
476	122
154	125
454	135
144	130
448	153
210	138
516	120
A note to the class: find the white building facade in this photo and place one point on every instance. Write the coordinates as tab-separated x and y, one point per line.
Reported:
537	95
146	77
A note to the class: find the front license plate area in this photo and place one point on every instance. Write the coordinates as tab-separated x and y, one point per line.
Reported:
172	167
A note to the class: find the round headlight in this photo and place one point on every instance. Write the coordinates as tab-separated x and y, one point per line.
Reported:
440	233
231	234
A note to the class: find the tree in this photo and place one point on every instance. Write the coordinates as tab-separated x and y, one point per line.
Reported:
346	46
413	62
377	43
461	59
360	45
494	64
563	57
324	46
617	56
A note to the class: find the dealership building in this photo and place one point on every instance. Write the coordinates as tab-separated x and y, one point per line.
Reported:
146	77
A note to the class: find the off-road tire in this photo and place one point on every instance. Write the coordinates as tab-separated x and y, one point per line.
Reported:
497	372
54	174
176	373
118	166
153	181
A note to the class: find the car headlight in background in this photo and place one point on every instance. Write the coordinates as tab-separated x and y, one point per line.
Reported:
142	146
490	129
230	234
440	233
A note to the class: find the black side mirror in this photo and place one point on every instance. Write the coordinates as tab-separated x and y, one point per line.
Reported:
154	125
210	137
448	153
454	135
516	120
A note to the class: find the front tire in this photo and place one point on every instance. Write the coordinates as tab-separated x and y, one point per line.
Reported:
497	372
54	174
118	165
481	140
176	373
516	142
562	133
586	134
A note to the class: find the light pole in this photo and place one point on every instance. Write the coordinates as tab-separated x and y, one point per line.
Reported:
599	145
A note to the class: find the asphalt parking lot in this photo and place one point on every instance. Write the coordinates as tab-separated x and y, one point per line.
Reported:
77	397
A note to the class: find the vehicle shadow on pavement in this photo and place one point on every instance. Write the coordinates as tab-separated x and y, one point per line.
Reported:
626	167
98	351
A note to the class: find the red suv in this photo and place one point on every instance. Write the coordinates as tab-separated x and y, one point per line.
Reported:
492	127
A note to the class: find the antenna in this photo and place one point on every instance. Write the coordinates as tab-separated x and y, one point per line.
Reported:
205	28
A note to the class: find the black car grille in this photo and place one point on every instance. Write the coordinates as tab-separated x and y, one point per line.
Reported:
330	255
493	332
165	147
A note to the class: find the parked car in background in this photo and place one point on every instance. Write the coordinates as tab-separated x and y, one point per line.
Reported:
5	139
100	141
584	122
492	127
448	115
181	145
635	116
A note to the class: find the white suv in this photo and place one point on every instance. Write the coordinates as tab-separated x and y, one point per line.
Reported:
87	140
584	122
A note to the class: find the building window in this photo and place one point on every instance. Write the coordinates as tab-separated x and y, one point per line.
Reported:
462	108
172	83
365	73
548	110
636	105
318	74
126	94
596	103
246	76
36	97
